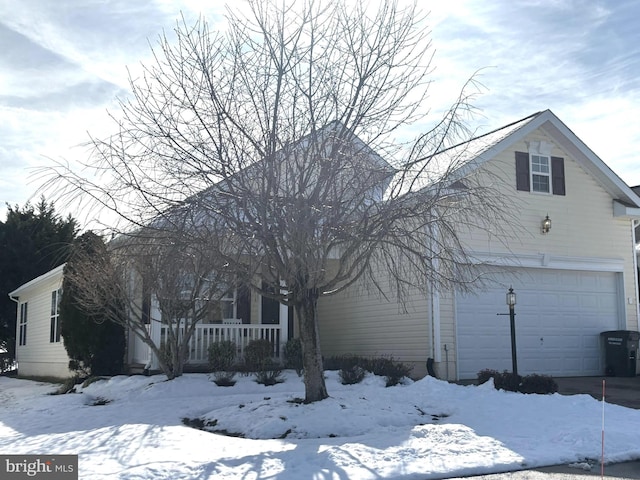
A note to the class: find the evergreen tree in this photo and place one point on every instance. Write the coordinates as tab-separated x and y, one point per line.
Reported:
94	344
33	240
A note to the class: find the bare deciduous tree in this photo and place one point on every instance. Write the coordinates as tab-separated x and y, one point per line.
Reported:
280	132
156	277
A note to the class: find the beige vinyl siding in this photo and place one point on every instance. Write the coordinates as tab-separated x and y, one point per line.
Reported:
39	356
583	225
446	367
584	232
584	236
356	321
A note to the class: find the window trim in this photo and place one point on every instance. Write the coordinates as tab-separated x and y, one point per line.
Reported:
534	174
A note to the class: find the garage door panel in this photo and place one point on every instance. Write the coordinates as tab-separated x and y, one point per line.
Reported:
559	316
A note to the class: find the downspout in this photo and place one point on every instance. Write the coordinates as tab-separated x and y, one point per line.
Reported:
435	306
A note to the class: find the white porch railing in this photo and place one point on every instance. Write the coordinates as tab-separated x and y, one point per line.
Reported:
206	334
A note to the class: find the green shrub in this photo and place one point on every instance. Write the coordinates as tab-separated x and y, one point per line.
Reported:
222	355
257	355
293	355
392	370
509	381
352	375
541	384
506	381
270	374
224	378
486	374
501	381
533	383
387	367
345	362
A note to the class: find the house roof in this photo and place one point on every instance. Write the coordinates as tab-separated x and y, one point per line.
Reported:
467	156
46	276
453	163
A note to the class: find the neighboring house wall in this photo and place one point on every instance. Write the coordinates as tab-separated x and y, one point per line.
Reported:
39	356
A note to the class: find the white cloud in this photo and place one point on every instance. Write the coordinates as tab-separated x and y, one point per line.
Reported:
66	61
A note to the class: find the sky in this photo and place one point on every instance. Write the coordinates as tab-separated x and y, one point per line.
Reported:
63	64
131	428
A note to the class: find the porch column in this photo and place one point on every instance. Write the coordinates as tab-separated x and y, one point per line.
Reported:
284	319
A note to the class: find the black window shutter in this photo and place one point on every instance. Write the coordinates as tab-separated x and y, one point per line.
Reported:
557	175
522	171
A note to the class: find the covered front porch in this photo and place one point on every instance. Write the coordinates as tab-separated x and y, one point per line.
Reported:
276	325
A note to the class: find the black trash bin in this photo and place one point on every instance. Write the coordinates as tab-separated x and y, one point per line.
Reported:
621	352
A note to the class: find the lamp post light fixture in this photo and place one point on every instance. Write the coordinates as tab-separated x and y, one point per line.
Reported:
511	301
546	224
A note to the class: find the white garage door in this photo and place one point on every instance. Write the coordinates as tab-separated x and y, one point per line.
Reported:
559	316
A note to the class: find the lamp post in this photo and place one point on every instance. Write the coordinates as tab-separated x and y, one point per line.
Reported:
511	301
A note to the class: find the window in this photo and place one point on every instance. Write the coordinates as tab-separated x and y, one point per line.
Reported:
222	309
541	173
54	334
22	334
234	305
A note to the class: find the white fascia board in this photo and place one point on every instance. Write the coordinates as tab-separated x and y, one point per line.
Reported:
611	182
42	278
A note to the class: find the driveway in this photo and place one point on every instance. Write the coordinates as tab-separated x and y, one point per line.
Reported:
623	391
622	471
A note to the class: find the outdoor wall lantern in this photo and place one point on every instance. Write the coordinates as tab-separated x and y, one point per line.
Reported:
546	224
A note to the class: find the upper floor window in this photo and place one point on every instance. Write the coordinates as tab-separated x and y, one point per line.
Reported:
54	333
540	172
22	333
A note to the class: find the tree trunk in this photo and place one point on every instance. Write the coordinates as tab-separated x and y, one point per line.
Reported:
314	386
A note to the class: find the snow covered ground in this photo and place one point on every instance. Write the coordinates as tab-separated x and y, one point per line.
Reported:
131	428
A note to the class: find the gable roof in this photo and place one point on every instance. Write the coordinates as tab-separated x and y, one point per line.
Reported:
475	152
42	278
